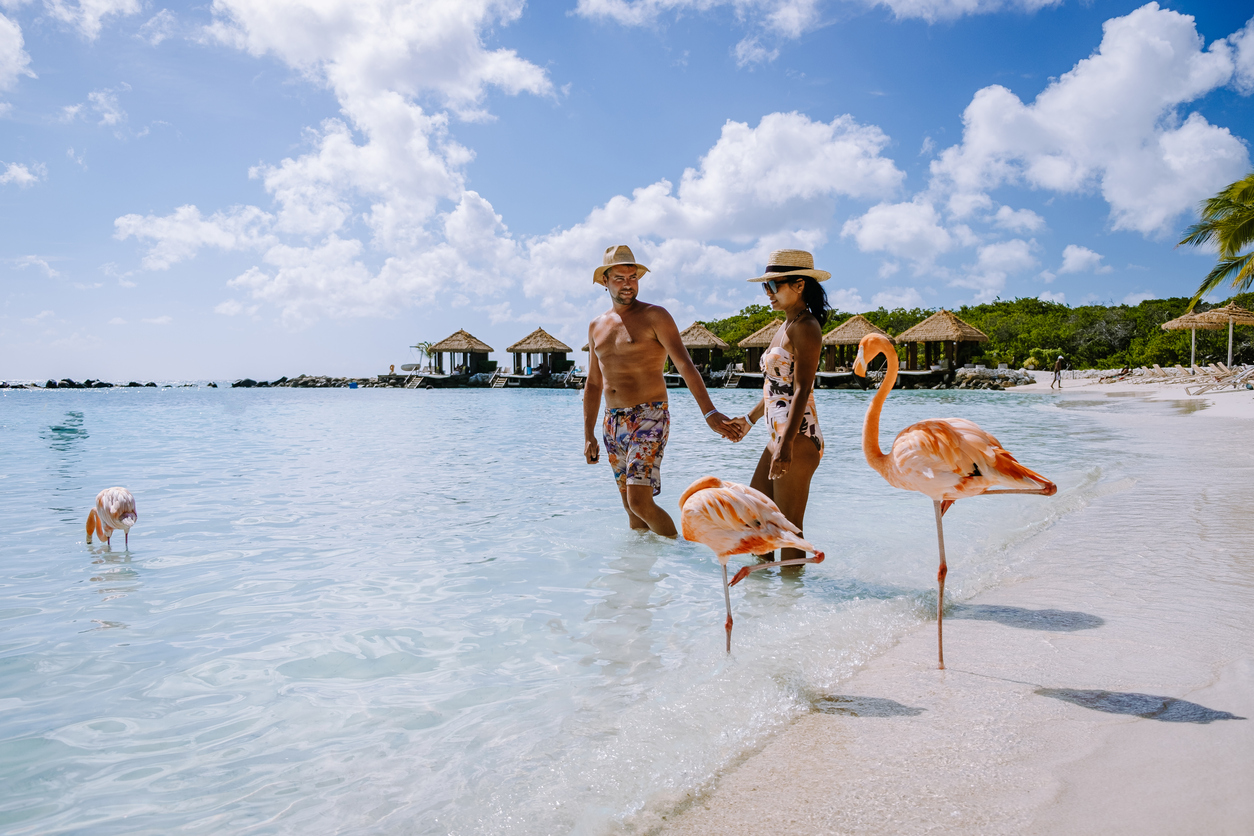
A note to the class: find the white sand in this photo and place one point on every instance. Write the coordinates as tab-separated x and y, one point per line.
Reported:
1159	576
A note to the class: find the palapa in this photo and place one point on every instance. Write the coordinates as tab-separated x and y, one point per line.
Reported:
762	337
942	326
697	335
462	341
852	330
1230	314
1191	322
539	341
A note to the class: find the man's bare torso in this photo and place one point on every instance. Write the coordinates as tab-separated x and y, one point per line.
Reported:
630	355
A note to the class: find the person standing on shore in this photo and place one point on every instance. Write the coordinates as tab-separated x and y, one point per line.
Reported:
1057	373
789	366
627	350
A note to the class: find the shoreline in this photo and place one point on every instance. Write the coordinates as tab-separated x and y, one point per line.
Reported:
1110	689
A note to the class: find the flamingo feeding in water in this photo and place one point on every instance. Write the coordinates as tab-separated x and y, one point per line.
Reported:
115	508
945	458
734	519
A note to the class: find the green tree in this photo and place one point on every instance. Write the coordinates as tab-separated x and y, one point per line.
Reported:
1227	223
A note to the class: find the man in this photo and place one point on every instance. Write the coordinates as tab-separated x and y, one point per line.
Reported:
1057	373
627	350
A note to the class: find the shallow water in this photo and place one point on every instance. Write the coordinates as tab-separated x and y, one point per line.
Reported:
385	611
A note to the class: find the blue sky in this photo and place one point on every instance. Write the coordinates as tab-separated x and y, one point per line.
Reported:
263	188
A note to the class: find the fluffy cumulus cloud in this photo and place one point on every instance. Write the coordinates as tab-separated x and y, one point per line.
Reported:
789	18
911	230
86	15
1111	124
20	175
1077	259
934	10
994	264
14	60
1243	46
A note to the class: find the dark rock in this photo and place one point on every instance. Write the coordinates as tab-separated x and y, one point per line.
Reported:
150	384
134	384
51	384
212	385
69	384
246	383
100	384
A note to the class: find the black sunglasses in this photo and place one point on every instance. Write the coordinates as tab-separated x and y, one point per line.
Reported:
772	285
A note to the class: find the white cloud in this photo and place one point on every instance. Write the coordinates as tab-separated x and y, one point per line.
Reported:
117	320
1018	220
844	299
787	18
1047	277
179	235
70	112
1111	123
1060	298
897	297
1243	43
905	230
160	320
39	317
994	264
934	10
1077	259
158	28
105	103
14	60
86	15
35	261
1139	297
749	51
21	175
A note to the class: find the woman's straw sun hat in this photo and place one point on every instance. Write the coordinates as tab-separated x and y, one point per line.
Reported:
614	256
786	264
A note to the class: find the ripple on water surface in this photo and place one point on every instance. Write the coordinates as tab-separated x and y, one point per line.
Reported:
393	611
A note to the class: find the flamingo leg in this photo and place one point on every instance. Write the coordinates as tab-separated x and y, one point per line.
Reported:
746	570
128	539
727	598
940	579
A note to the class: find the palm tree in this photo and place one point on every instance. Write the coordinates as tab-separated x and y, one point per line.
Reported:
424	349
1227	222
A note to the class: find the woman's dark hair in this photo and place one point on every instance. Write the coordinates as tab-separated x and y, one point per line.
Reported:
815	298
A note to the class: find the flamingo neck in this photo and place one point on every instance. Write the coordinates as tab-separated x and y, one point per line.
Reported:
871	426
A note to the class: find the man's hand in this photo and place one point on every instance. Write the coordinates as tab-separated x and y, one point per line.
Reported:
781	460
591	451
742	426
724	426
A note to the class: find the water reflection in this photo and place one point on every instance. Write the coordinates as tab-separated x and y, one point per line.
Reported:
117	578
66	436
621	620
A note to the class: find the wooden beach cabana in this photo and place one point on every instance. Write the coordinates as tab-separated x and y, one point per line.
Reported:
467	354
754	345
704	347
840	343
539	343
943	336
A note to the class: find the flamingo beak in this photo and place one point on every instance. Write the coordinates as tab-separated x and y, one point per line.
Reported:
859	364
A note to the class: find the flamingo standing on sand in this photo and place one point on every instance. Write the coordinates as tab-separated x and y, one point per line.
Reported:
734	519
115	508
945	458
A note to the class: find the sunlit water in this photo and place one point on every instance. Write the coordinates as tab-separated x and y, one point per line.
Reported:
384	611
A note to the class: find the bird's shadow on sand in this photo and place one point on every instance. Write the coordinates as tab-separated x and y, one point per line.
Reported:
1054	621
1149	706
863	707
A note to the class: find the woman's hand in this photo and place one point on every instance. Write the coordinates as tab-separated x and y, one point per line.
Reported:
782	459
742	426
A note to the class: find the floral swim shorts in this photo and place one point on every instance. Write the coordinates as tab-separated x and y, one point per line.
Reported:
635	438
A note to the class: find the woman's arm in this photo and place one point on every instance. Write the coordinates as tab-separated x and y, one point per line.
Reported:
806	338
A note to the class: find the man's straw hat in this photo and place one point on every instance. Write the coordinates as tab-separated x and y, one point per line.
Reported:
614	256
787	264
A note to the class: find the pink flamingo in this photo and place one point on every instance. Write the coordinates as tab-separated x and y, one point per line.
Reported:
734	519
115	508
945	458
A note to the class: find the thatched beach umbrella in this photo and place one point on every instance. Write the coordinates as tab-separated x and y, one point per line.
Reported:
551	350
756	342
475	351
704	347
1191	322
941	327
837	342
1232	314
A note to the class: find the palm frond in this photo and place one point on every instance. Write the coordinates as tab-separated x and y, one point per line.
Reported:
1239	268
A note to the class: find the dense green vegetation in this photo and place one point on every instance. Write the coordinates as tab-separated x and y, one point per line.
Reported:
1089	336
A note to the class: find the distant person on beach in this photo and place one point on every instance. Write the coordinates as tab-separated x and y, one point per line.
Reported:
1057	373
789	366
627	350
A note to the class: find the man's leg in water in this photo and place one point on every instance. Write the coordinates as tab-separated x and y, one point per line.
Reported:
635	522
639	502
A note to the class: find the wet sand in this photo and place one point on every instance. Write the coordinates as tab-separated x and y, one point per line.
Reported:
1106	690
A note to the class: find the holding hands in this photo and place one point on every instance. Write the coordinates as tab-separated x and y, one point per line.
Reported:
728	428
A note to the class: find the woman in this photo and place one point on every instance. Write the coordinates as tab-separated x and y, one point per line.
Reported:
796	444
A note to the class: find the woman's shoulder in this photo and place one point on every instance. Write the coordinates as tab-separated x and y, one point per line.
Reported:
805	327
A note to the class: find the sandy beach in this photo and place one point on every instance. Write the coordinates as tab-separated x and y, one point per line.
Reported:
1105	690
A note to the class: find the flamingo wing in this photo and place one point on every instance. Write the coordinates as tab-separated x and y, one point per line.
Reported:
735	519
952	458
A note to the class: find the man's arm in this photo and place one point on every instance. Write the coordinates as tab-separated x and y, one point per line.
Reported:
668	335
591	404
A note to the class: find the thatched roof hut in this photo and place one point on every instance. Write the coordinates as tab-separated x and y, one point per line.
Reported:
697	335
838	343
757	342
474	353
552	351
944	329
1191	322
1230	314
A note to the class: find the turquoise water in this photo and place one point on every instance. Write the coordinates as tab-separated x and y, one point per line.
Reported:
389	611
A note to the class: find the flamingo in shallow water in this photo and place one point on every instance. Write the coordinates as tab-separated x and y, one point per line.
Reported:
115	508
945	458
734	519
